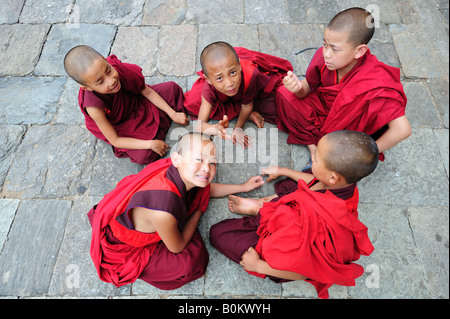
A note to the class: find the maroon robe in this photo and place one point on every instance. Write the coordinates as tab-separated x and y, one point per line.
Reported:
130	113
365	100
262	74
121	254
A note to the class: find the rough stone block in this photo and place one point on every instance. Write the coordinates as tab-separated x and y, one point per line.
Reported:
63	37
10	11
116	12
137	45
205	12
163	12
392	270
10	138
430	229
176	55
29	100
31	250
75	274
8	209
264	11
55	159
412	174
48	11
21	47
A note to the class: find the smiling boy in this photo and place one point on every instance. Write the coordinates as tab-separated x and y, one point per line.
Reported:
146	228
346	87
120	109
235	82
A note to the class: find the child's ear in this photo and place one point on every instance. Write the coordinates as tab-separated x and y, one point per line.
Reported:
334	178
207	79
86	88
361	50
176	159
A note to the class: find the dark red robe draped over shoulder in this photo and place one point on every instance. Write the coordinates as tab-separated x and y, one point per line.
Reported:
120	253
366	99
262	74
317	235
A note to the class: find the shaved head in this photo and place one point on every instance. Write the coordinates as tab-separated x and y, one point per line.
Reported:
216	52
78	60
354	155
190	140
358	22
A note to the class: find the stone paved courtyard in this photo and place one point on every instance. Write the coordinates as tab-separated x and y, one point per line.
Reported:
52	170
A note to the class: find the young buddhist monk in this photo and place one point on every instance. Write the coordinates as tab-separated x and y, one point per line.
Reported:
346	87
120	109
146	228
310	229
235	82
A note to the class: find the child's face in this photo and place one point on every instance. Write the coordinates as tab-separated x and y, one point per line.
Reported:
339	54
101	77
318	167
197	165
225	75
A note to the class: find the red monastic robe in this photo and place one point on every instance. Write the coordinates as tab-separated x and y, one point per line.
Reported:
121	254
316	235
365	100
130	113
262	74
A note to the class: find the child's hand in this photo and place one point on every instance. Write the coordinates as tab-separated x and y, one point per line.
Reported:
292	83
222	128
159	147
273	172
180	118
240	137
250	260
253	183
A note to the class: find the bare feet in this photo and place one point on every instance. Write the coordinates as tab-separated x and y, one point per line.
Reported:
244	206
256	118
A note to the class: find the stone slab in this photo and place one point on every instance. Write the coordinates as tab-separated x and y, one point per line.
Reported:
163	12
412	174
31	250
29	100
8	208
212	12
10	138
49	165
383	11
225	277
63	37
108	170
416	55
48	11
440	91
442	141
21	47
264	11
75	274
430	227
10	11
420	109
285	40
116	12
137	45
177	47
319	11
392	270
68	110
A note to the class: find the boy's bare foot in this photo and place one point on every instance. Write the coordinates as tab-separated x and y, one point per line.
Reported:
256	118
244	206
